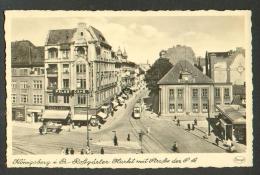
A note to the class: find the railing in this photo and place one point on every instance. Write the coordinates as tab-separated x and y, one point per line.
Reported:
52	71
51	87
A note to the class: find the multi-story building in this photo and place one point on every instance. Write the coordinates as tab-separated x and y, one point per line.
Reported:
80	72
186	91
27	65
226	66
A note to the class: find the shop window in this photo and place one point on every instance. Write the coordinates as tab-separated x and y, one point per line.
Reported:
171	108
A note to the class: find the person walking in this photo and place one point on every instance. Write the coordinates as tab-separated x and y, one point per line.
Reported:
82	151
71	151
178	122
188	126
99	126
195	122
115	141
175	146
102	150
128	137
217	141
67	151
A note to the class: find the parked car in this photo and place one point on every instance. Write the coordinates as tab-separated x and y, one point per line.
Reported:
50	127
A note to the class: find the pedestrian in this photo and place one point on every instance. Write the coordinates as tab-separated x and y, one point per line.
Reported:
115	141
175	146
67	151
188	126
193	127
71	151
217	141
178	122
112	113
128	137
175	118
99	126
82	151
195	122
102	150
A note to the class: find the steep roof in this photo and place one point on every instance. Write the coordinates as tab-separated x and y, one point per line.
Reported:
26	54
184	67
60	36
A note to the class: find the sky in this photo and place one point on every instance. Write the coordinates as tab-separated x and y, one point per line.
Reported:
143	37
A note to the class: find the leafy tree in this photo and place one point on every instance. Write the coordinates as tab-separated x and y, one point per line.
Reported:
156	72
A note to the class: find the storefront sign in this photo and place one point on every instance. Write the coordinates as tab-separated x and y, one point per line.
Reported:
69	92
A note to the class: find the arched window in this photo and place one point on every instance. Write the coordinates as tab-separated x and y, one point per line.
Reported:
81	68
52	53
80	51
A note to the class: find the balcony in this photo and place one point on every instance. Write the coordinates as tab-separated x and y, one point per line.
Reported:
52	87
52	72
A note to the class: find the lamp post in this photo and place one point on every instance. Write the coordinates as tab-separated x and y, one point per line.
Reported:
141	133
87	121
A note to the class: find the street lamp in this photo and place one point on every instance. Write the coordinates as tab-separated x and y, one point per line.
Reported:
87	120
141	134
208	119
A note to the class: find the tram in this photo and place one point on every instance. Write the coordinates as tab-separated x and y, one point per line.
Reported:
138	109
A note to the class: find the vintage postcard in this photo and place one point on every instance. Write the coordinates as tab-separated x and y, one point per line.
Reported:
129	89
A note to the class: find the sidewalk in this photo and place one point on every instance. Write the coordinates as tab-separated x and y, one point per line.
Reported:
27	125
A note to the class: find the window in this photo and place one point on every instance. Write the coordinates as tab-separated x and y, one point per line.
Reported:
195	92
53	53
81	99
65	53
37	99
204	92
24	98
23	85
180	108
14	97
180	93
171	108
66	99
81	83
205	107
14	84
81	68
226	93
65	83
65	68
171	93
53	98
217	92
80	51
195	107
23	71
37	84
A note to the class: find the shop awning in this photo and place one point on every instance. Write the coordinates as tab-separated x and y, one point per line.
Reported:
34	110
81	117
102	115
55	114
115	103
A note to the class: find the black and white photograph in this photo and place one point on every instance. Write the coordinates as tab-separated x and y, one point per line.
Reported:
128	87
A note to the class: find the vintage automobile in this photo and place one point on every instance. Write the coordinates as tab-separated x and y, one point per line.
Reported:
50	127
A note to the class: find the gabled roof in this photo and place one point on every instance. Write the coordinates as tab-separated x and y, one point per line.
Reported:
181	67
60	36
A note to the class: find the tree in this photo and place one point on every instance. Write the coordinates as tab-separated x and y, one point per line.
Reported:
156	72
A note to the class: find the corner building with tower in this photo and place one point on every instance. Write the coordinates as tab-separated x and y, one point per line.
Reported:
80	72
